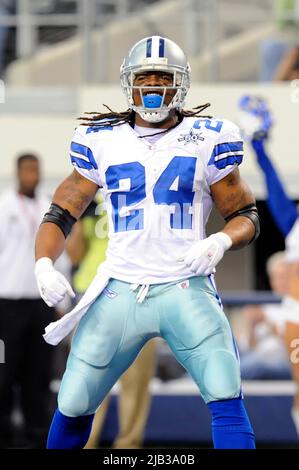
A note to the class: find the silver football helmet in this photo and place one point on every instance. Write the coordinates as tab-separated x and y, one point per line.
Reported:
155	54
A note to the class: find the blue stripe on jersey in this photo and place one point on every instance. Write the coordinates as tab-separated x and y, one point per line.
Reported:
149	47
98	129
85	151
79	162
235	347
212	282
161	47
224	162
227	147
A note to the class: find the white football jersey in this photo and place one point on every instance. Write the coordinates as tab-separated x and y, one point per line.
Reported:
157	196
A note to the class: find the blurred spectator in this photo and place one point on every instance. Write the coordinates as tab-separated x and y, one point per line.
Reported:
286	216
23	314
255	121
272	53
291	303
288	69
86	247
278	50
266	357
6	8
287	14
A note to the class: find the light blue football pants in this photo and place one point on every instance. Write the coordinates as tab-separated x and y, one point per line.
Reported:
115	328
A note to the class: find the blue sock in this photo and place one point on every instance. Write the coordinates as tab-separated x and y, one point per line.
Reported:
69	433
230	425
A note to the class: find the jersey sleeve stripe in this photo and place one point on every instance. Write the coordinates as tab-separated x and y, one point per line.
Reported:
79	162
227	147
227	154
79	155
84	152
231	160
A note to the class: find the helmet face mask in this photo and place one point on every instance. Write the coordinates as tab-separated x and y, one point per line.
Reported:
155	55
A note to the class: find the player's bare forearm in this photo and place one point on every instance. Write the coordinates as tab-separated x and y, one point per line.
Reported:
49	242
231	194
241	230
74	194
76	244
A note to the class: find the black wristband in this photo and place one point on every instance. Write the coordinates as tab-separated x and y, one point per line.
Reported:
60	217
251	213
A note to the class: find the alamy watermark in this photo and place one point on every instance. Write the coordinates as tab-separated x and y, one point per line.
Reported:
2	352
166	218
294	356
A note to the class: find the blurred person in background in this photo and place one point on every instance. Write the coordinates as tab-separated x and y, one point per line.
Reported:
161	169
7	7
288	69
23	315
291	305
265	357
256	121
86	247
277	52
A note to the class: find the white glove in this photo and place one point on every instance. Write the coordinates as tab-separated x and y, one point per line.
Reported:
204	255
52	285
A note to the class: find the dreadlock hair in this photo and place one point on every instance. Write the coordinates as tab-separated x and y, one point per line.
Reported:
113	118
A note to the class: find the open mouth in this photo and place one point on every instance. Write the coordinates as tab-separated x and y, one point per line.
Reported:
152	100
153	92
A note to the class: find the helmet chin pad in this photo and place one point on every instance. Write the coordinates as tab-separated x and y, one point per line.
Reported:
155	116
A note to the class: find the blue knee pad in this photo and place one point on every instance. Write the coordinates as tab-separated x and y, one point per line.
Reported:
69	433
230	425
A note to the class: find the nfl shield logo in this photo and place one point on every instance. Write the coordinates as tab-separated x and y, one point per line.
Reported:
183	284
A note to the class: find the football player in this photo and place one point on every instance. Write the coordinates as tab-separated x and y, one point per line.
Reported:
161	169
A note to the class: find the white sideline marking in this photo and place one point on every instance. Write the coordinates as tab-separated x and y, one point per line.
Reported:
249	387
185	387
